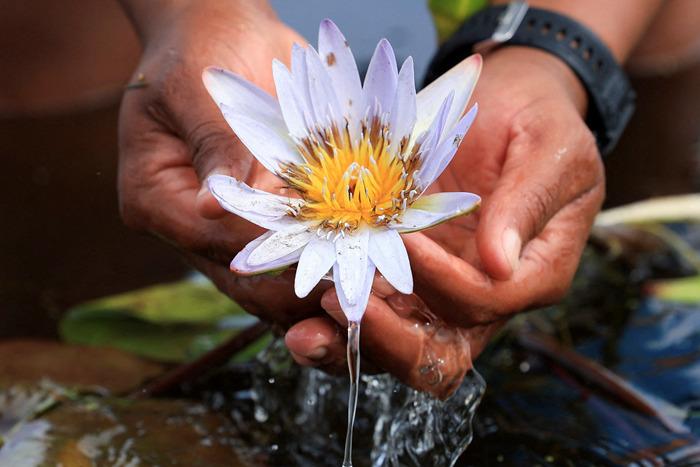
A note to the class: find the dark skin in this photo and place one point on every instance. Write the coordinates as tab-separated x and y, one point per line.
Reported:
529	155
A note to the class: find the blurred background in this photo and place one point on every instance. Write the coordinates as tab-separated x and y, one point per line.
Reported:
609	375
64	67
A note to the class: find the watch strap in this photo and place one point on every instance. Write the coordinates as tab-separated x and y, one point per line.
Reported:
611	97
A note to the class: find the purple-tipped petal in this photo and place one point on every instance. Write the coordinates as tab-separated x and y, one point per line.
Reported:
290	104
254	116
340	64
403	111
435	162
430	140
435	209
380	82
323	98
240	265
300	78
461	80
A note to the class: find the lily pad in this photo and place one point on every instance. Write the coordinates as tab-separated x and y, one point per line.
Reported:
169	323
31	361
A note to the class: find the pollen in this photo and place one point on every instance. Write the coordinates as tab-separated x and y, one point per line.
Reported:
346	183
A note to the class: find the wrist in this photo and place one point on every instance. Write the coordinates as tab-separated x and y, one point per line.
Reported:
551	74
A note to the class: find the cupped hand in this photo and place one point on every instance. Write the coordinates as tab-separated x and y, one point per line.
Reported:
172	136
532	159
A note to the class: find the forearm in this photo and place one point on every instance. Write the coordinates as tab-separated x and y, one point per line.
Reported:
620	24
147	15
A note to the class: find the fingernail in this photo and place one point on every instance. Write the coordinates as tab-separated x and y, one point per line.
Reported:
511	247
318	353
203	190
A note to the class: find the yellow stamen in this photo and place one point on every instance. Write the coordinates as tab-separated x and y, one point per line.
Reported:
346	183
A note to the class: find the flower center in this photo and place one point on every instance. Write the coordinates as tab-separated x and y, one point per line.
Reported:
345	184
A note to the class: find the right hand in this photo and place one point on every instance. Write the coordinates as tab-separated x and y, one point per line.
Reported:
172	136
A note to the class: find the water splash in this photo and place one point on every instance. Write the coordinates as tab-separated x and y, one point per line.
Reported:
305	417
353	356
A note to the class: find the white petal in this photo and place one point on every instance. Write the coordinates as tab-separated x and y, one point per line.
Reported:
341	67
388	253
281	244
316	260
461	79
435	162
300	77
403	112
354	311
434	209
323	99
259	207
381	78
254	116
240	265
430	139
351	256
290	104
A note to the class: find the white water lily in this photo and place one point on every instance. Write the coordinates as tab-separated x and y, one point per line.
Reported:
359	157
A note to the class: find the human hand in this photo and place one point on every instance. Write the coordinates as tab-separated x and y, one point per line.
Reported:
172	136
535	164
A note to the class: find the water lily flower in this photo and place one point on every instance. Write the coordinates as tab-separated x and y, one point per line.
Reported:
357	157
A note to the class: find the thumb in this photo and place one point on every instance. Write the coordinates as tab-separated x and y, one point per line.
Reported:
214	147
533	187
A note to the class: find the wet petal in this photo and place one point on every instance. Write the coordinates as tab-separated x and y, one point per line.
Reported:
403	111
388	253
352	258
254	116
240	265
434	209
461	80
354	310
435	162
259	207
280	244
316	260
341	67
381	79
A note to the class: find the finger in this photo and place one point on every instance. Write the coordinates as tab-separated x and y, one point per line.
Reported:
317	341
424	355
270	297
546	168
465	296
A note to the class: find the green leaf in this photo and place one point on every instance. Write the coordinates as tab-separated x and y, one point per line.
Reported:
170	323
685	290
450	14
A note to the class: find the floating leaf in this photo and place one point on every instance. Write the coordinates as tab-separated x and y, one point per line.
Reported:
170	323
31	361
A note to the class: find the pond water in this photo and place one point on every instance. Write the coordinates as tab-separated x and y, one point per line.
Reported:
607	378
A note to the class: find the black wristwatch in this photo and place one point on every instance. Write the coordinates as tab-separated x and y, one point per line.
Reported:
611	97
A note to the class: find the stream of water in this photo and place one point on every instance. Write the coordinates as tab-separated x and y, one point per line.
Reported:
353	355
